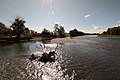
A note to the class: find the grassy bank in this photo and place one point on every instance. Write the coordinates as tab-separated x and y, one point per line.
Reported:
13	39
7	39
109	36
1	37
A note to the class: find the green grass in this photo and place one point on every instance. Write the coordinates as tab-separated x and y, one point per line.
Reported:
7	36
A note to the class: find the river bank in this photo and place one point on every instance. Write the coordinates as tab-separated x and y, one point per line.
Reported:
63	40
109	36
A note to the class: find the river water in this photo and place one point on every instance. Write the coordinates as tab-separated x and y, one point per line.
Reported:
92	58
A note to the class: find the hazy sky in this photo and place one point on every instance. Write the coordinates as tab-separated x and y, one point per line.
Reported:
85	15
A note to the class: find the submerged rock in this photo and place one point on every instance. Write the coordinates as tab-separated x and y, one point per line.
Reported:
46	57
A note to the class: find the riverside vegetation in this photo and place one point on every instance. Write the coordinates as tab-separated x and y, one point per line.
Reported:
18	32
112	32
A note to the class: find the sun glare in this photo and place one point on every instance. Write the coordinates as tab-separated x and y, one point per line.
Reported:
46	2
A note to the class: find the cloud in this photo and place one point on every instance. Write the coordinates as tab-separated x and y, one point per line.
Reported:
97	27
88	15
62	25
115	25
118	21
56	22
38	29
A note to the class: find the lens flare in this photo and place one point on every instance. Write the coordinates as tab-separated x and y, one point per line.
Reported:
48	4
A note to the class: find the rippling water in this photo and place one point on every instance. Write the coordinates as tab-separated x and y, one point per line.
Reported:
93	58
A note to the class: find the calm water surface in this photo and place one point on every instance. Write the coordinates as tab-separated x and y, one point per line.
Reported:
93	58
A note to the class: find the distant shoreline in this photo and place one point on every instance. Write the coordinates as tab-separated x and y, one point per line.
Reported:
109	36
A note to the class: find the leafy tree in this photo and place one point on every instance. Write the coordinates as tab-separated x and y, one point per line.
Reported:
2	28
59	31
46	33
112	31
27	33
4	31
75	32
56	29
18	27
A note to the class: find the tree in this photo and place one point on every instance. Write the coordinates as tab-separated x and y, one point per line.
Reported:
56	29
2	28
75	32
46	33
59	31
4	31
18	27
27	33
112	31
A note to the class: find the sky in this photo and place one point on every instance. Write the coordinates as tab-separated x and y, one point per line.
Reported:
84	15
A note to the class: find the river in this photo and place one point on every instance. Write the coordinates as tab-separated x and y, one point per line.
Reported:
92	58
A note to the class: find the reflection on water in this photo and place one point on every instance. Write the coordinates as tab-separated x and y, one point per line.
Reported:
21	68
93	58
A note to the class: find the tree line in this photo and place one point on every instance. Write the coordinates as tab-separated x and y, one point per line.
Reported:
60	32
112	31
18	30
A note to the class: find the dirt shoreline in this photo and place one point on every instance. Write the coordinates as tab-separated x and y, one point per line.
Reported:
63	40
